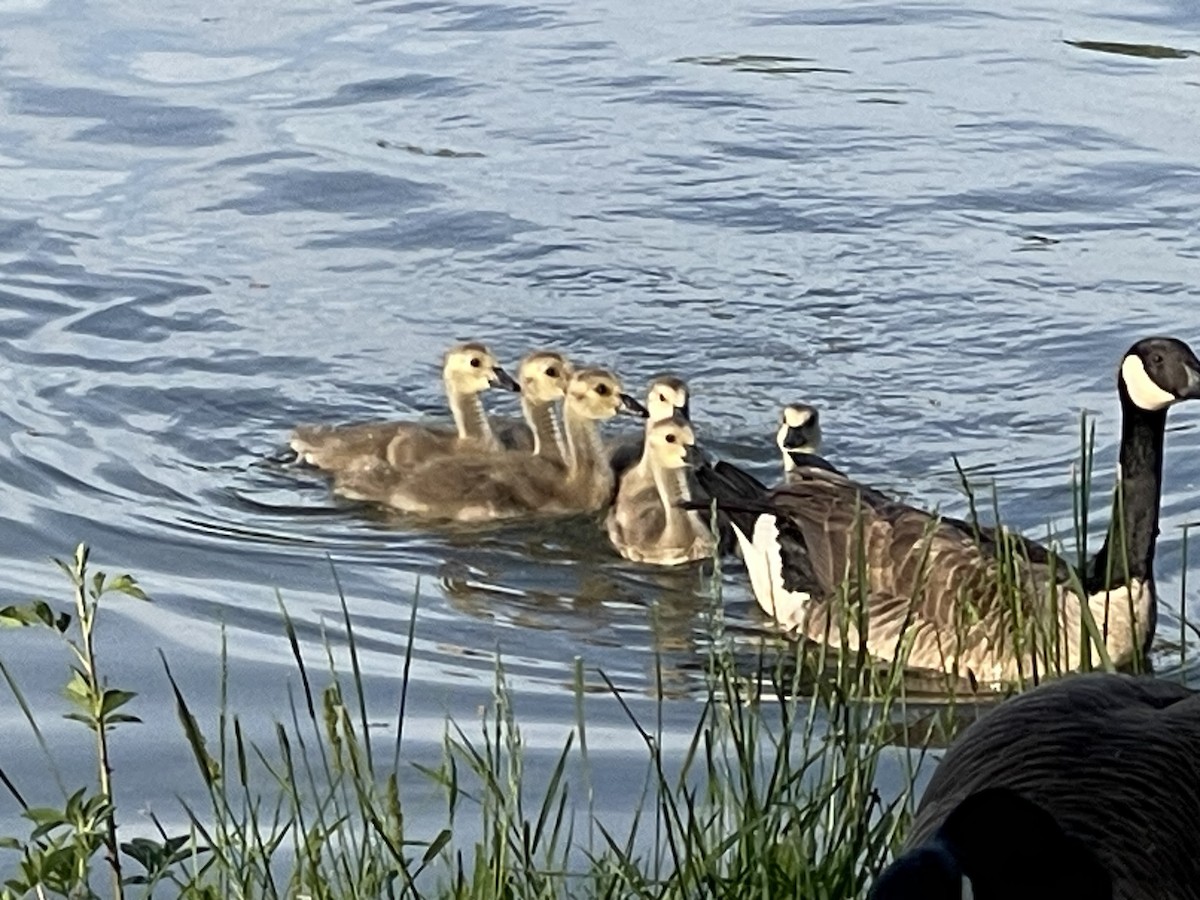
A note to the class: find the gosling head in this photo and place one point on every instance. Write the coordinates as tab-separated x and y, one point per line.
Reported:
996	845
672	443
668	396
1157	372
799	434
471	368
597	394
544	376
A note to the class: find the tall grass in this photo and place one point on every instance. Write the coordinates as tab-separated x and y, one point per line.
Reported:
775	792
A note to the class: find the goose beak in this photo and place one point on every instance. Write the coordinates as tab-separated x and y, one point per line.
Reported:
504	380
631	407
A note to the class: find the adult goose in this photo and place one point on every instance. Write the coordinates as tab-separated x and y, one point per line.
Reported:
467	371
943	594
489	487
650	526
1108	760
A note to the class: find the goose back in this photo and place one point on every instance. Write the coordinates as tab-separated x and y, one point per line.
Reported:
1112	757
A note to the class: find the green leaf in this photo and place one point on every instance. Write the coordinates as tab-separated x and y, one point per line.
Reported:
8	843
86	718
42	815
113	699
126	584
117	718
436	845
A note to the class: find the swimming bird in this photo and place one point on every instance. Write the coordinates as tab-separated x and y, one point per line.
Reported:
1111	758
488	487
666	396
945	594
468	370
649	526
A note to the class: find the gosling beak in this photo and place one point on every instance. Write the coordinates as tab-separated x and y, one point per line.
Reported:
500	378
631	407
695	457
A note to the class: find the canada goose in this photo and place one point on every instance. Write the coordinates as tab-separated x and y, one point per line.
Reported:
543	376
996	845
649	526
1112	758
799	440
467	371
937	584
666	396
484	487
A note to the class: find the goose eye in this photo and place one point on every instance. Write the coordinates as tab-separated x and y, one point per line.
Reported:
602	390
475	362
552	372
671	438
1157	359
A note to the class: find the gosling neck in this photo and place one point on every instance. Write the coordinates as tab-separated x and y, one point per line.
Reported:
673	492
469	417
547	435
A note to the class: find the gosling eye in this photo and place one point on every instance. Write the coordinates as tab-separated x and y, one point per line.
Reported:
602	390
662	397
476	362
671	439
552	372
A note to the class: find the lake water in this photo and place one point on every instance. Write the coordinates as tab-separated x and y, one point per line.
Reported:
941	222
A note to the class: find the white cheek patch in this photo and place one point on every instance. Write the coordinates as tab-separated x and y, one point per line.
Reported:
1143	390
968	892
795	418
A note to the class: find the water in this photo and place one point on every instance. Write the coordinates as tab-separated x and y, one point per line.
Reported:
940	222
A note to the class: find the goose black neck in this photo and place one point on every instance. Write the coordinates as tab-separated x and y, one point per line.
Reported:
1128	550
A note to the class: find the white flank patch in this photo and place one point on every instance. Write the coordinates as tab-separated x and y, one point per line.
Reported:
1143	390
764	565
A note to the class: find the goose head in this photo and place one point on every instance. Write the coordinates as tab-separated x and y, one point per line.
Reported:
471	368
544	376
1157	372
667	396
799	429
597	394
993	846
671	443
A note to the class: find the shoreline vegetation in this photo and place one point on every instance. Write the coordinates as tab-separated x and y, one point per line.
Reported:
776	794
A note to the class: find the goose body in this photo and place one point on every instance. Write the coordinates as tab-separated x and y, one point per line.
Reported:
489	487
467	371
933	588
650	525
1111	758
